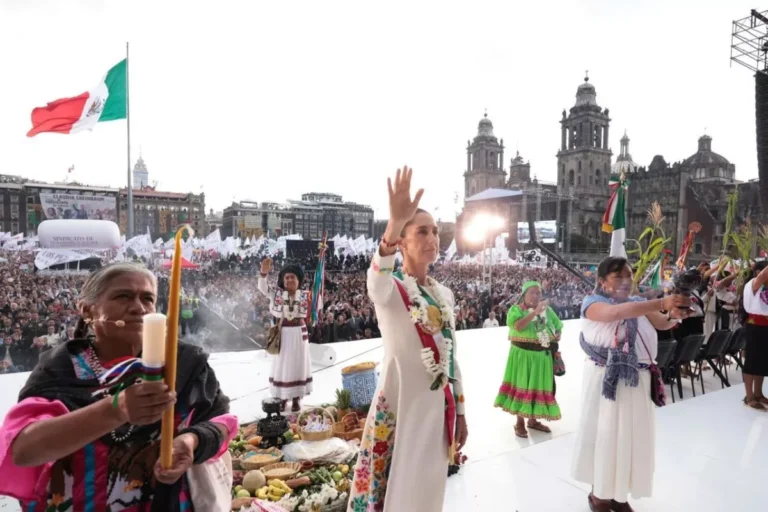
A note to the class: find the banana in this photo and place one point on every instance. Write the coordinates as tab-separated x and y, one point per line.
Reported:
262	493
277	492
279	484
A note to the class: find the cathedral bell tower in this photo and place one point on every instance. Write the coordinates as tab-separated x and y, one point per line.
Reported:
584	161
485	161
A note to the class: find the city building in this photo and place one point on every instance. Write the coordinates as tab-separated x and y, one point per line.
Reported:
13	218
140	174
68	201
694	190
485	160
161	213
213	220
584	166
488	191
312	216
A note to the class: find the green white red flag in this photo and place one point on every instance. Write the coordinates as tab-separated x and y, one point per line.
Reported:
614	220
105	102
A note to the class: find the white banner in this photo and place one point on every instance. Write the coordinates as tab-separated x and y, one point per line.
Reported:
68	206
50	257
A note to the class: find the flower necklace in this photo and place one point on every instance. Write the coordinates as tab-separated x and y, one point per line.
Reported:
432	320
291	306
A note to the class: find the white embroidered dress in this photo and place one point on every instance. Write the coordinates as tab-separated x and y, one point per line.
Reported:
291	375
403	461
616	440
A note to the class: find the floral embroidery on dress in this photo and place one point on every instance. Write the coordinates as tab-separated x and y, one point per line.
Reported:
375	461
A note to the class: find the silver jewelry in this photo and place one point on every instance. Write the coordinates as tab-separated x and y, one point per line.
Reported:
121	438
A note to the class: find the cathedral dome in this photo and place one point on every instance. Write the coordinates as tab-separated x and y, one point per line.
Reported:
705	157
485	128
586	94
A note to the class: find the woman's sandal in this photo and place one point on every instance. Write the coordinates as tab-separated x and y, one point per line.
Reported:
537	425
755	404
763	400
520	431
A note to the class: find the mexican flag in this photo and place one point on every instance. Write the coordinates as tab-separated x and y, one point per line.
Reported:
657	275
614	220
105	102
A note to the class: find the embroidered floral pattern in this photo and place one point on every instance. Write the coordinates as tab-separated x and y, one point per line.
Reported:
373	465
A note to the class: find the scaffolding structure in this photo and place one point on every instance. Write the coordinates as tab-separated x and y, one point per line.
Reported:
749	42
749	48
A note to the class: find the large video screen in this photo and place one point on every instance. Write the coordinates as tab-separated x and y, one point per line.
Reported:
546	231
523	233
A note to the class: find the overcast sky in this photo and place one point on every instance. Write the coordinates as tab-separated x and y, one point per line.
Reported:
266	100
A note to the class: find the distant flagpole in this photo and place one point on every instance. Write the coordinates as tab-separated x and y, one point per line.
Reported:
129	216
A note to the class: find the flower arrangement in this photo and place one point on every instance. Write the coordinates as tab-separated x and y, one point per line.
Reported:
433	320
306	502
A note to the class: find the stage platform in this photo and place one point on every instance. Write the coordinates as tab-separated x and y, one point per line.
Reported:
712	452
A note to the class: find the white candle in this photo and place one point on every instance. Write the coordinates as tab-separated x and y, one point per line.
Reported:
153	340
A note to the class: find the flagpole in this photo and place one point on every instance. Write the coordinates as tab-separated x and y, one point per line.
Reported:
129	226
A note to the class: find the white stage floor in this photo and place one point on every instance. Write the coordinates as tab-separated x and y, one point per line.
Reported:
712	452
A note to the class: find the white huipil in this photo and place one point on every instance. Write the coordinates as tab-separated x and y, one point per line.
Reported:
403	461
615	444
291	375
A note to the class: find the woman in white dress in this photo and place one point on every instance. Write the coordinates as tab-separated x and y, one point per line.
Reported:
615	442
416	422
291	377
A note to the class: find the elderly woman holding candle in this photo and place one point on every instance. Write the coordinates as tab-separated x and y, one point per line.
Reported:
291	377
70	445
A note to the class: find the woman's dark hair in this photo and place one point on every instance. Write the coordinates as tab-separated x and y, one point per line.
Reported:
418	211
608	266
290	269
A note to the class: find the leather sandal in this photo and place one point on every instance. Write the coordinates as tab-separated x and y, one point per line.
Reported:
596	505
621	507
755	404
520	431
537	425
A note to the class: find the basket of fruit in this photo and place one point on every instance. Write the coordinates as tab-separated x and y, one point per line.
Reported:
257	459
281	470
350	427
316	425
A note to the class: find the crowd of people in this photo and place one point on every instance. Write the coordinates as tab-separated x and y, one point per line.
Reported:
38	310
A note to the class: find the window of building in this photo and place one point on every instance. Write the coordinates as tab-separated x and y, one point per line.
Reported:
571	177
14	198
30	200
14	227
698	248
14	212
579	181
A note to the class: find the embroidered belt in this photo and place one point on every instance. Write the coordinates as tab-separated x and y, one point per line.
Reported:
532	346
640	366
760	320
296	322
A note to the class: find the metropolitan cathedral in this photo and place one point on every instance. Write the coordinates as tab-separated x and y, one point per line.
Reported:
694	189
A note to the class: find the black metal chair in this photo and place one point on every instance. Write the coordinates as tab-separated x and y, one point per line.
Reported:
664	355
686	352
716	345
738	342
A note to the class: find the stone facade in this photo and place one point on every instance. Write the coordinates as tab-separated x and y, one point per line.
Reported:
584	163
694	190
485	160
